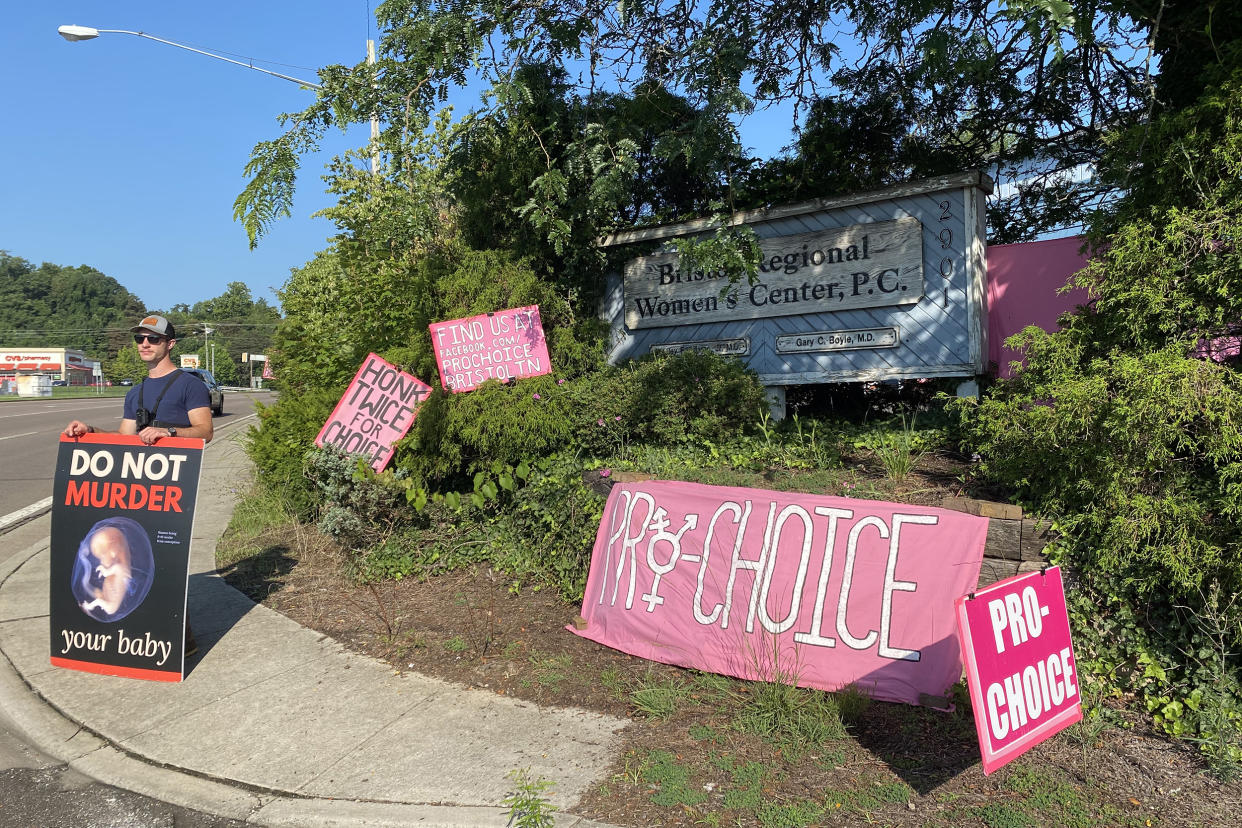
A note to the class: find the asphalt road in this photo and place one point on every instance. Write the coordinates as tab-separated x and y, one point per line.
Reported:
30	429
35	790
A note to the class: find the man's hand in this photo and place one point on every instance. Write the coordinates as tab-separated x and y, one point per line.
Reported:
77	428
152	433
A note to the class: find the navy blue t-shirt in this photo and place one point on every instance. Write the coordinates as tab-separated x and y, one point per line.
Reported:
188	394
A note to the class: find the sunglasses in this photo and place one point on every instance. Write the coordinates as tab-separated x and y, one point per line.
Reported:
154	339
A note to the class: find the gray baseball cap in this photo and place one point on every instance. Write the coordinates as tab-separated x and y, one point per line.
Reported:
156	324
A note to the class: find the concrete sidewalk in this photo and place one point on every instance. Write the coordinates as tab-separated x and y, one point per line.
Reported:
277	724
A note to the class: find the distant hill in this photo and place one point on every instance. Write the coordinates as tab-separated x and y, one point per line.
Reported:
71	307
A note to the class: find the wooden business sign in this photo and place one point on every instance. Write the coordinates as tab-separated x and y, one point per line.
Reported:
862	266
122	519
880	285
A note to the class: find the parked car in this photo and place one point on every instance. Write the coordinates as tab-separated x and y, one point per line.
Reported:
213	388
127	382
59	383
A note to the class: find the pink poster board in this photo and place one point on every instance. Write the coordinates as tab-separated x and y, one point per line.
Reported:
503	345
376	411
823	591
1023	284
1019	664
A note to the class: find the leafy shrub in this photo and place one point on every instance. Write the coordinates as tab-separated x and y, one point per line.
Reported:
693	396
279	444
1138	457
356	506
549	530
457	435
672	400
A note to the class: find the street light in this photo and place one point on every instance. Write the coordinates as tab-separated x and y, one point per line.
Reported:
76	33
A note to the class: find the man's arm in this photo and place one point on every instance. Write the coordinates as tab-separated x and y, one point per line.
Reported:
77	428
200	426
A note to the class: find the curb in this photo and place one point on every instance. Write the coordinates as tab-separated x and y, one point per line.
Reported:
43	726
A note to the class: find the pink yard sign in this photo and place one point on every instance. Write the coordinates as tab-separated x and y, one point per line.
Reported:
823	591
504	345
1019	664
377	410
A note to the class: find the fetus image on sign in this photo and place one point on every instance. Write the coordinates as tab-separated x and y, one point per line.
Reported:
113	570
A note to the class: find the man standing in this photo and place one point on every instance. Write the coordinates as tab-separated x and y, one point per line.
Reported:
167	403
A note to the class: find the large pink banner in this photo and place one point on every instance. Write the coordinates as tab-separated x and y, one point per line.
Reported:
504	345
1019	664
377	410
822	591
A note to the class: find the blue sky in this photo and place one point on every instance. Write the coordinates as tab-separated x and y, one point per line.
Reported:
126	154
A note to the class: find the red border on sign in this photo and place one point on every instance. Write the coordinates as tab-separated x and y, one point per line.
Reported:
113	670
133	440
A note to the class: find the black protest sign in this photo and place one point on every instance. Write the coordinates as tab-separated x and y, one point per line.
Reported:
122	519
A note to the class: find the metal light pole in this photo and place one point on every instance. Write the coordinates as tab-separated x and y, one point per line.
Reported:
206	346
75	33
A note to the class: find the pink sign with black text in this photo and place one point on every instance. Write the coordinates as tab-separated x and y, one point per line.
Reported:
503	345
376	411
823	591
1019	664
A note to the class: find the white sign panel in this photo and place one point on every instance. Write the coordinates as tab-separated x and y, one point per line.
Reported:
724	347
863	266
816	341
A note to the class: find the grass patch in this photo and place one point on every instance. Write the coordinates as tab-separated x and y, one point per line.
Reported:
550	671
659	698
792	815
258	516
791	718
671	779
1000	815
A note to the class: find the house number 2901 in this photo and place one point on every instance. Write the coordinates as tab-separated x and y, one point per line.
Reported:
946	238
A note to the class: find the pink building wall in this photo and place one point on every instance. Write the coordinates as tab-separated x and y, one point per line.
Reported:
1023	284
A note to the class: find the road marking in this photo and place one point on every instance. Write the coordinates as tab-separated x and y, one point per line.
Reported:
11	436
34	509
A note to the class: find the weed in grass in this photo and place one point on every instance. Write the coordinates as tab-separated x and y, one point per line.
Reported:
658	698
898	452
528	806
749	775
612	681
457	644
703	733
552	670
743	799
851	703
792	718
672	780
898	792
711	819
631	769
711	687
792	815
1000	815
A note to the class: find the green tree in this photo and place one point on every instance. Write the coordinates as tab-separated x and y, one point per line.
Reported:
585	98
72	307
126	365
